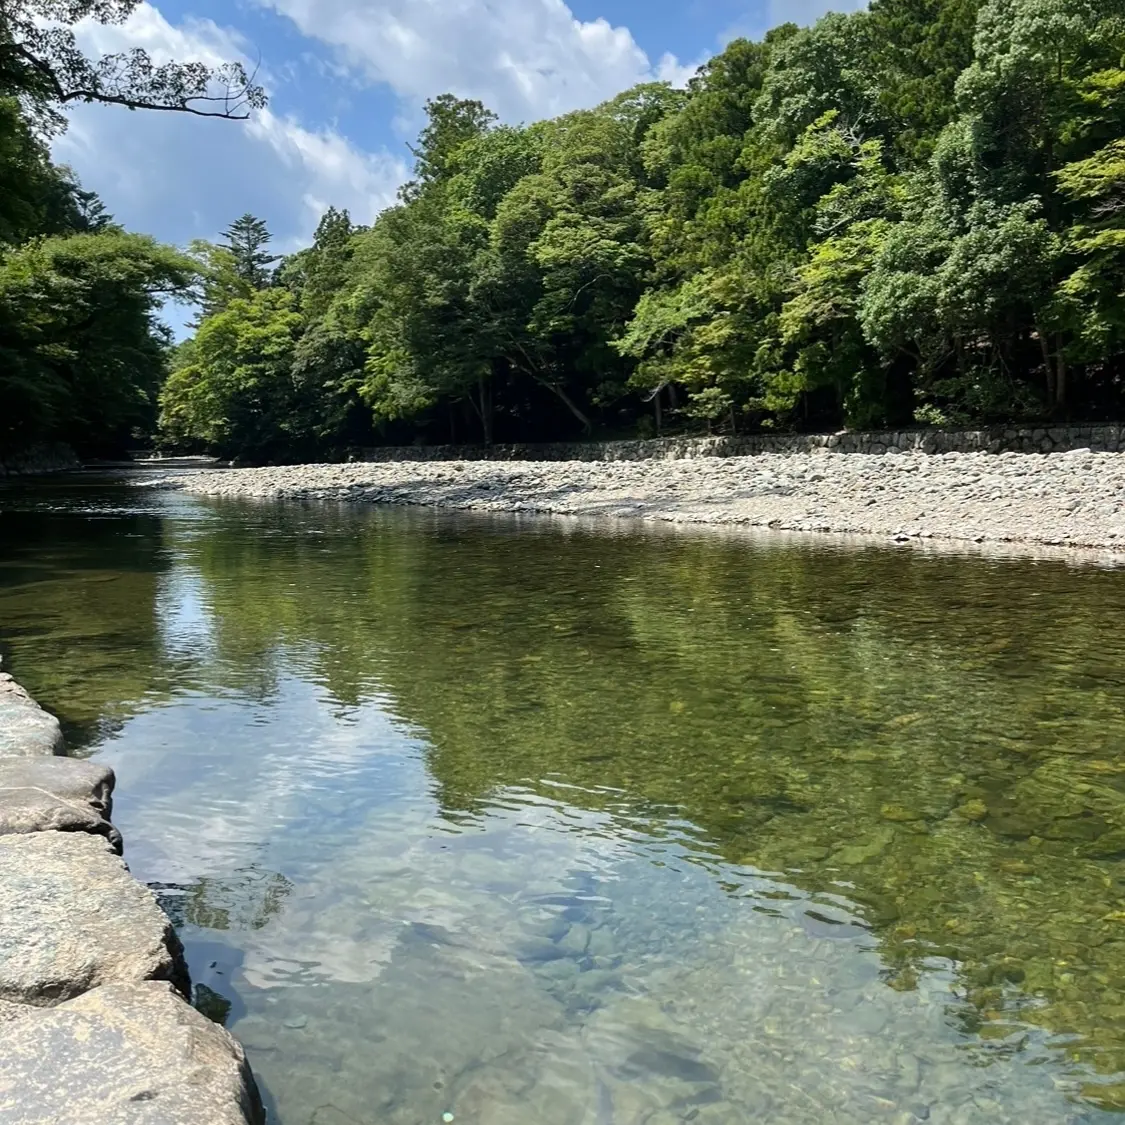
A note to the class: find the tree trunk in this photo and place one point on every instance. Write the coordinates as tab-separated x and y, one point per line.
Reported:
485	409
1048	369
1060	374
900	391
568	402
659	412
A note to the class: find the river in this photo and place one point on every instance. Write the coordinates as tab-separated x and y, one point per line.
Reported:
474	818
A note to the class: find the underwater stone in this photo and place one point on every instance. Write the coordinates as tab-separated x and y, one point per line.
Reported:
972	810
852	855
900	814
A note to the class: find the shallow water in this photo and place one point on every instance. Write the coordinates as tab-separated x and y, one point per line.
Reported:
530	822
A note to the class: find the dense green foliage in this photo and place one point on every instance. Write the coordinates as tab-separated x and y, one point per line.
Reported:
82	354
909	214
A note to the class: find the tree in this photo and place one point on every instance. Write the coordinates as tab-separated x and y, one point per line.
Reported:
1090	305
81	353
427	333
450	123
40	63
325	265
565	263
220	280
231	388
855	206
910	213
36	196
697	325
921	47
246	240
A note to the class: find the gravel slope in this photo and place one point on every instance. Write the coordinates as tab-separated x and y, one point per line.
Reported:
1067	499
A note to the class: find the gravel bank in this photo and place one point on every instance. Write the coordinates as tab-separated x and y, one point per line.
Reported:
1074	499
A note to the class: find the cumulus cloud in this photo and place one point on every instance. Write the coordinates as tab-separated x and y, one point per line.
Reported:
526	59
182	177
328	170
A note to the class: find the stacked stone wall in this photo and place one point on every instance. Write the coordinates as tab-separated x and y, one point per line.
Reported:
1108	438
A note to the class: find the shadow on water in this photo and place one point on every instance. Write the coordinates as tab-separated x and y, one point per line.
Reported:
603	826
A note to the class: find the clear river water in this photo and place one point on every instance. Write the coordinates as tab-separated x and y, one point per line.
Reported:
542	823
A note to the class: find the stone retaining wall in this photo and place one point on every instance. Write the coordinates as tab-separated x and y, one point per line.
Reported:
39	459
94	1019
1003	439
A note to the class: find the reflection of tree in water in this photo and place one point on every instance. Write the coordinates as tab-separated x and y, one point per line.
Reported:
244	900
933	738
78	610
936	739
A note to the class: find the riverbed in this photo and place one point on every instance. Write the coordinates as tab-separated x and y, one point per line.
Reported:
1073	499
517	820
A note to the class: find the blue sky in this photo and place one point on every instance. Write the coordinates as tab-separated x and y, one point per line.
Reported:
347	80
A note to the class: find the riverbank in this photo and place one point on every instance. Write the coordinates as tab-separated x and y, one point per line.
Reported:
39	460
1071	499
94	1019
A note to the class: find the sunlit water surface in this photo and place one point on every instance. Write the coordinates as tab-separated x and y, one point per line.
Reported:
540	824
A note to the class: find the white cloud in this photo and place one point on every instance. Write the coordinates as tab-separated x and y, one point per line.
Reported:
670	69
146	27
526	59
329	169
182	177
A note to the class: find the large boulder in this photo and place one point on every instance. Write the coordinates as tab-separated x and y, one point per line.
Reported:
130	1054
56	794
26	730
73	918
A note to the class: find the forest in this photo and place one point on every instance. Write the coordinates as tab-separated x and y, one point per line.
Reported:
910	215
83	352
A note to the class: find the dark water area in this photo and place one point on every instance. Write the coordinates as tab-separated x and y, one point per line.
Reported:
526	821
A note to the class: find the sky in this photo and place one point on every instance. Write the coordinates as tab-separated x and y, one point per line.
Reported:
347	80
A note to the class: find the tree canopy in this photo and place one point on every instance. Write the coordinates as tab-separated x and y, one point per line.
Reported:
911	214
907	215
82	353
41	63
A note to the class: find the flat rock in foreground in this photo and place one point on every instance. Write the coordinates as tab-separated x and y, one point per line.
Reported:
73	918
56	795
124	1054
26	730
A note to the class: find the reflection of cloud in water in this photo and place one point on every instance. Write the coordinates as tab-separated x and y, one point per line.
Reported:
538	958
394	880
249	777
185	623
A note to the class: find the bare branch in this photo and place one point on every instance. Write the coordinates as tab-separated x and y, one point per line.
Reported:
56	72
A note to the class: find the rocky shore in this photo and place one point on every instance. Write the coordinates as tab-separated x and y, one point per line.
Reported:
94	1020
1070	499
